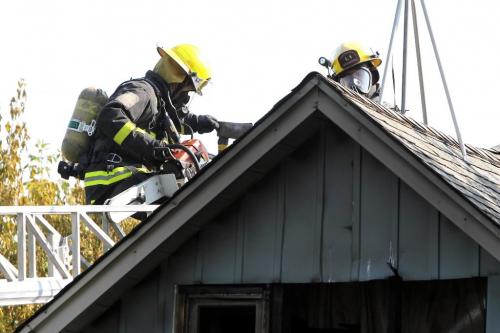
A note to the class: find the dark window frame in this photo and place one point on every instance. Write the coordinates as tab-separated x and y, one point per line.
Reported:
189	298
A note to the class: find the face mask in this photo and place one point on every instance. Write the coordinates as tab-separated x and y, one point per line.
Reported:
181	93
182	98
359	79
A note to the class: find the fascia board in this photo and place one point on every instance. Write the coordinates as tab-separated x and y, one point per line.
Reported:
113	271
409	168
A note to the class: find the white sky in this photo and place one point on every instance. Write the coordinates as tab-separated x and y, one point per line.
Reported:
258	50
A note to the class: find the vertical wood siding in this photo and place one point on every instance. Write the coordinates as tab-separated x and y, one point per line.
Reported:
139	307
262	233
418	236
379	219
340	248
301	243
493	303
458	254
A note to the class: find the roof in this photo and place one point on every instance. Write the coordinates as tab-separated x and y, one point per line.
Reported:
427	160
477	177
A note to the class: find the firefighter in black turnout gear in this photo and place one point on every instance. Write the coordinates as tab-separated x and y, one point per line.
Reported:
142	116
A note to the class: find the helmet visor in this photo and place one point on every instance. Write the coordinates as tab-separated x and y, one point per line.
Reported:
197	82
359	79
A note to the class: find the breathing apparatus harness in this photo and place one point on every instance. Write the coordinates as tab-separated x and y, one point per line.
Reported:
167	118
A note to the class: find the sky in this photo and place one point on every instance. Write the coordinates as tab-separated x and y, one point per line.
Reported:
258	50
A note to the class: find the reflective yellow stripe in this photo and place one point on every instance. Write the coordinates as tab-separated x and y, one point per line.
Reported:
107	178
104	173
108	181
128	128
124	132
140	130
112	172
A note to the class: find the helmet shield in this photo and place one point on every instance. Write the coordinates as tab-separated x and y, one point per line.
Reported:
358	79
197	82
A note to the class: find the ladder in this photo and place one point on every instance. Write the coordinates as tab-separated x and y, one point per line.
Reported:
20	283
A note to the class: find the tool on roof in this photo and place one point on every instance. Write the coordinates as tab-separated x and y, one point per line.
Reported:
229	130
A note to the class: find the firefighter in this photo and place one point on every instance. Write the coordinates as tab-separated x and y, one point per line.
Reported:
142	116
356	69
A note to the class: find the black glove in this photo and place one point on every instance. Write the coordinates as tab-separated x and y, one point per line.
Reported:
206	124
158	152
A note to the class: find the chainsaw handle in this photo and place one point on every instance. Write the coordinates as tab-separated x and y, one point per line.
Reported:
185	149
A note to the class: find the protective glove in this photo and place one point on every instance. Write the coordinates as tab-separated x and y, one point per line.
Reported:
206	124
158	152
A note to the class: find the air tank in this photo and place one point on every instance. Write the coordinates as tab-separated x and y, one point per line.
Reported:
82	124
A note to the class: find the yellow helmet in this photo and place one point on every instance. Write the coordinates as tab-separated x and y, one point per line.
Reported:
190	63
349	55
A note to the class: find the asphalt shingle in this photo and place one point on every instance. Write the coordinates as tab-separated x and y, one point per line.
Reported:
477	177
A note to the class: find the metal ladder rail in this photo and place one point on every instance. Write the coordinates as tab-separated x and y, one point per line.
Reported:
21	284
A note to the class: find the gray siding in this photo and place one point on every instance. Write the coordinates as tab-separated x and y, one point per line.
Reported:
109	321
139	307
418	236
340	250
302	214
379	219
329	212
262	233
493	302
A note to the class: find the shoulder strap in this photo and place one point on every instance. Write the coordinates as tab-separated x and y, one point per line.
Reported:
162	117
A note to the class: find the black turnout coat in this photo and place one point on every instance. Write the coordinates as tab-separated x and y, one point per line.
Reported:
137	115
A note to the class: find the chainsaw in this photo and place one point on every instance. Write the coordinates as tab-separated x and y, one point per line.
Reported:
183	161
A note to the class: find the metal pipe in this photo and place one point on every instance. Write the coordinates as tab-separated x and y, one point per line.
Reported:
75	244
389	51
419	62
443	79
405	59
21	246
